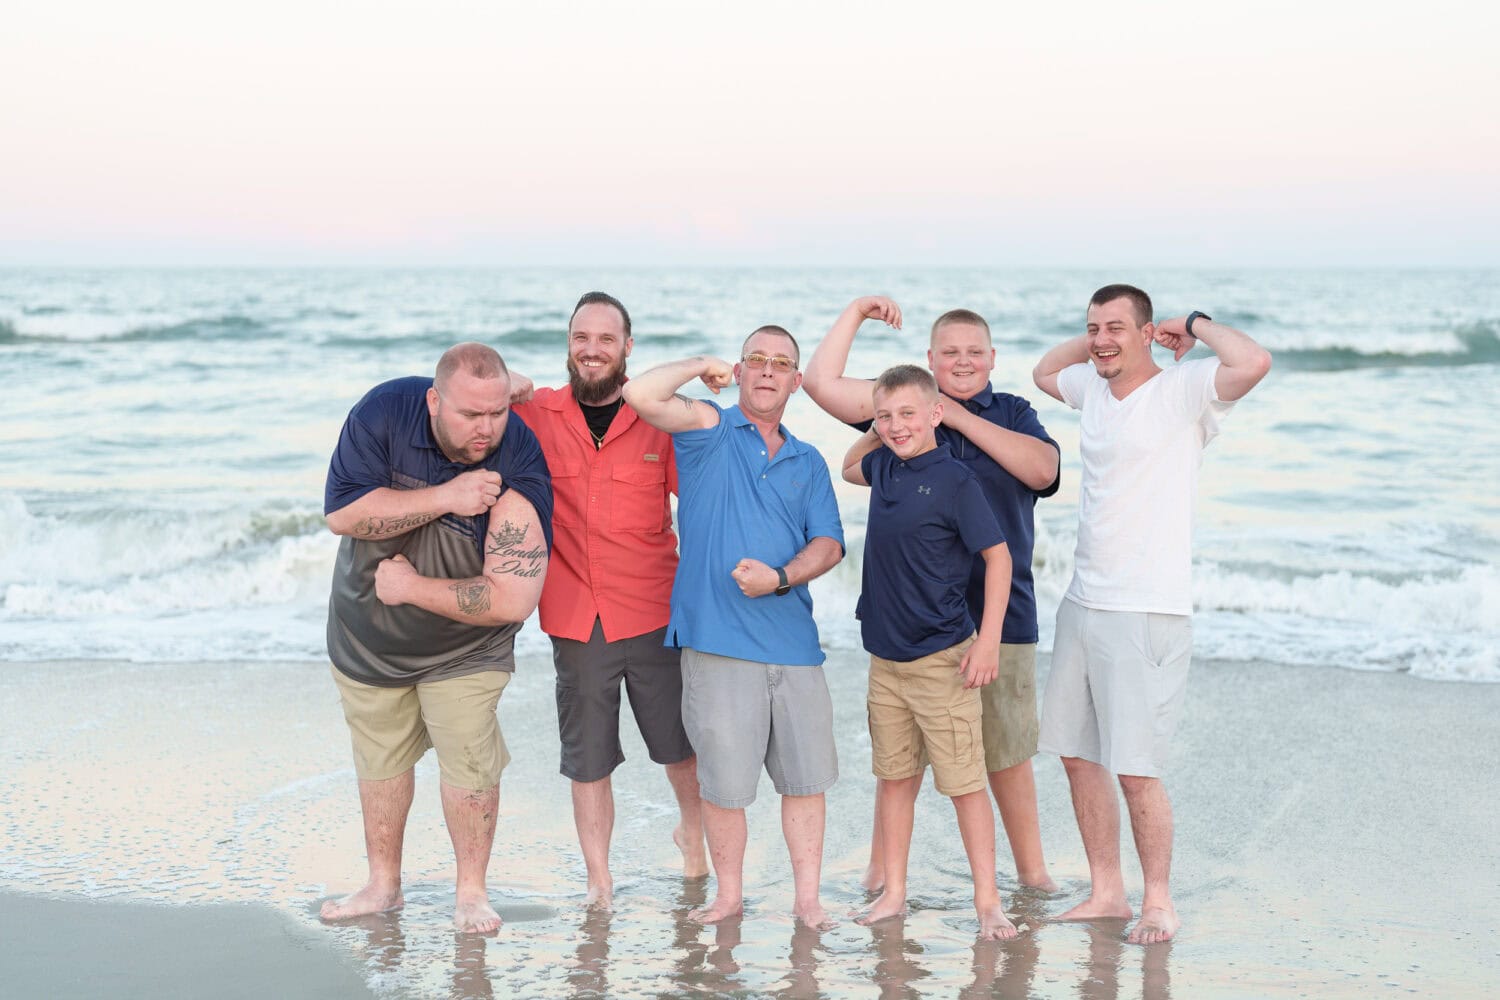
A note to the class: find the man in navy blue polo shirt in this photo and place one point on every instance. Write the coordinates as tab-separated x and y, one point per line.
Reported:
445	508
757	520
929	520
999	437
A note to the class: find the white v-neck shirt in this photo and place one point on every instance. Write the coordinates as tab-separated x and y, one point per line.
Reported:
1141	456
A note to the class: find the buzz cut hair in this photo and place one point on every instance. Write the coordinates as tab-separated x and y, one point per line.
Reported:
1140	302
601	299
779	331
902	376
961	317
472	358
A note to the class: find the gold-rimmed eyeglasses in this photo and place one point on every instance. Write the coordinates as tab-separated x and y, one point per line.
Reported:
780	363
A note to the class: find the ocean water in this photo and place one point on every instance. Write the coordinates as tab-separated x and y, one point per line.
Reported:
165	435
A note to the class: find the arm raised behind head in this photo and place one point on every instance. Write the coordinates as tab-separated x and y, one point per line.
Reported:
1242	362
844	398
1070	352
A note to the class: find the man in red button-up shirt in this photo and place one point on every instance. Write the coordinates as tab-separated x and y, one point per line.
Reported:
609	585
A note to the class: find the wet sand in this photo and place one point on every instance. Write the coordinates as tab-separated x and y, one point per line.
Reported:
1334	838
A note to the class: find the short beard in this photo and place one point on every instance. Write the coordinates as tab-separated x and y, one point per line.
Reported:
595	392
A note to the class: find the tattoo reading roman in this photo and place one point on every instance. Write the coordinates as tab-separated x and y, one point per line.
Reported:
506	542
384	527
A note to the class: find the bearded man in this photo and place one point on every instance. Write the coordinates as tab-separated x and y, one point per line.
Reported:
606	603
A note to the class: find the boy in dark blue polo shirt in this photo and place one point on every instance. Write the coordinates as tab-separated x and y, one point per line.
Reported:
928	520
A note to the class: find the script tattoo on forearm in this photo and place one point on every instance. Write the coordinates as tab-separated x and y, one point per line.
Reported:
516	561
473	596
384	527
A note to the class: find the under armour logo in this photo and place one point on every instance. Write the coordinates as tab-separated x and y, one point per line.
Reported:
924	489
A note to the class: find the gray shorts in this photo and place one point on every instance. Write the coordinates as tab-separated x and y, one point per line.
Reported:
741	715
1117	683
588	701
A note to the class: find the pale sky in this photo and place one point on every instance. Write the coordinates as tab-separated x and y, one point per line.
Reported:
773	133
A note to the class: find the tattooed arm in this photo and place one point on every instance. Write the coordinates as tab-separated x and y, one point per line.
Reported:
515	566
386	513
655	397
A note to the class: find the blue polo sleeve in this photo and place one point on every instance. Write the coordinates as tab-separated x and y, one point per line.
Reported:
692	448
976	523
821	519
361	461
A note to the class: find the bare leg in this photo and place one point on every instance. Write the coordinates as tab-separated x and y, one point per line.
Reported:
726	848
1015	793
471	827
1098	811
802	819
689	833
895	801
594	817
1151	822
874	879
384	805
976	825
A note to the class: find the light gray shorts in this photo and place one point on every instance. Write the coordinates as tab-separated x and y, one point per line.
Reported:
741	715
1117	682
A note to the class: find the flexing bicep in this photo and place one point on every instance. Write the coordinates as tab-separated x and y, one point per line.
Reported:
851	400
515	557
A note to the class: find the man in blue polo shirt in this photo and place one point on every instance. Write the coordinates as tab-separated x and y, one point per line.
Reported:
929	520
445	508
757	520
999	437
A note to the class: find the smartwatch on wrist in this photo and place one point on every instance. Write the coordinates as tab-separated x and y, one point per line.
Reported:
1195	315
784	587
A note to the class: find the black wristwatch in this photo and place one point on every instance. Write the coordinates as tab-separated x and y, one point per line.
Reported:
784	587
1195	314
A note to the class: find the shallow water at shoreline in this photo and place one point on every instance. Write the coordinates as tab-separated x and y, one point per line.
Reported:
1298	803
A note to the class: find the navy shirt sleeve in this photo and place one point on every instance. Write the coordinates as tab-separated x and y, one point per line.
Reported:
977	527
361	461
523	468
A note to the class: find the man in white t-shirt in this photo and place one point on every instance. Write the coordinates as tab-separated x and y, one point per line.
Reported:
1124	628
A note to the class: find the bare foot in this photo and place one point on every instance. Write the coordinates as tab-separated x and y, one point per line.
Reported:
719	909
887	906
994	925
814	916
601	896
473	915
370	899
874	879
1157	924
1090	909
694	858
1040	881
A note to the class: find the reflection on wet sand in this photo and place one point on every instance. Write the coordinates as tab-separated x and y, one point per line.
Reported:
1108	953
590	976
895	971
802	977
701	967
1003	969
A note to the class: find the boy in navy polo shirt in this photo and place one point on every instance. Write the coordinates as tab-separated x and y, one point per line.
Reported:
928	520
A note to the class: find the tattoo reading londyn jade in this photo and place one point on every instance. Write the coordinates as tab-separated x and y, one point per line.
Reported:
518	561
473	596
508	535
379	527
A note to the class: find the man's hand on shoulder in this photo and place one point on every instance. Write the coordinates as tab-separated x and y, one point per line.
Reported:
472	493
521	388
755	578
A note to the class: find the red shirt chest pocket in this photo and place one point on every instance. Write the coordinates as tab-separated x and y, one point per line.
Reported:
639	500
569	493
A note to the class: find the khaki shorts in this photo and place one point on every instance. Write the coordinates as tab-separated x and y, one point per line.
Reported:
920	710
392	727
1010	719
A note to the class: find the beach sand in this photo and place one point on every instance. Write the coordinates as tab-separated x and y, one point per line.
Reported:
1335	837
